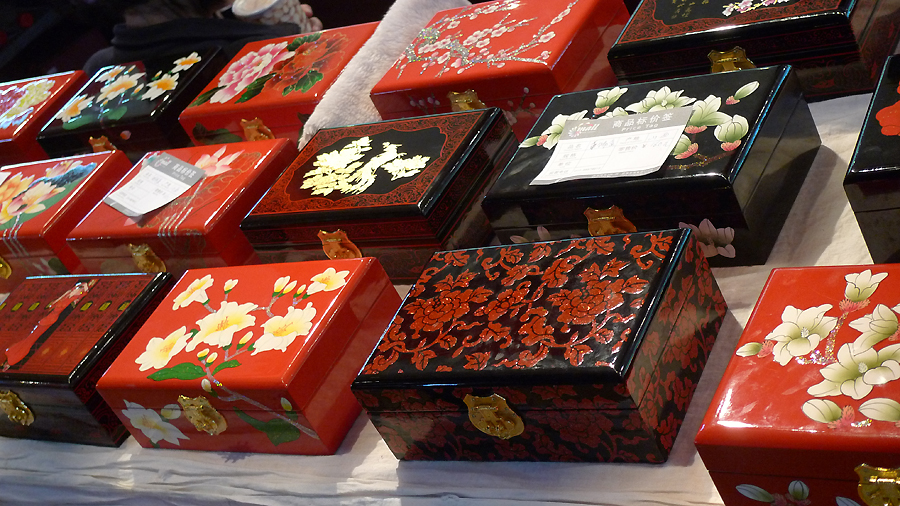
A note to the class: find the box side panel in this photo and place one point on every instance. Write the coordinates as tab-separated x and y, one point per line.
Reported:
740	489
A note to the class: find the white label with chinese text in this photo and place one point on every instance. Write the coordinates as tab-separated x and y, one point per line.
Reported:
162	179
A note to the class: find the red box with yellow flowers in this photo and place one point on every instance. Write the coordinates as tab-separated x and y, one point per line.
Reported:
253	359
579	350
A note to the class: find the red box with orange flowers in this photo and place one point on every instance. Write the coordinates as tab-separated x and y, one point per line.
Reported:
253	359
807	411
577	350
272	86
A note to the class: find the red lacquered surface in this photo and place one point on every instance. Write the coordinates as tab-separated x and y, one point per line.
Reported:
280	81
199	228
821	413
25	106
279	376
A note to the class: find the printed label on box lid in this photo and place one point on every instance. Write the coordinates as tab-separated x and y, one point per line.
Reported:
163	179
618	146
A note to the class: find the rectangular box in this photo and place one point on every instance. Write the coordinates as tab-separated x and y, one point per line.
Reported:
580	350
253	359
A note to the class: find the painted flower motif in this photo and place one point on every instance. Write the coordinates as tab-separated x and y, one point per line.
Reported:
61	168
195	292
705	113
731	132
328	281
550	136
280	283
151	424
14	185
875	327
74	107
606	98
800	332
16	104
660	100
159	87
547	37
214	164
230	284
310	60
170	411
857	371
161	350
684	148
280	331
248	68
119	86
860	286
713	241
186	62
217	329
111	74
881	409
29	202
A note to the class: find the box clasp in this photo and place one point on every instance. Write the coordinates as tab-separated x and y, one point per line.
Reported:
5	269
145	259
465	101
493	416
101	144
337	245
15	409
200	412
255	130
608	221
879	486
736	59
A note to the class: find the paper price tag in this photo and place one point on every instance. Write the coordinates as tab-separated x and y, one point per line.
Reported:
161	180
619	146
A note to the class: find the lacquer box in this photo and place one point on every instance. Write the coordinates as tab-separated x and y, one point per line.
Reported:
200	228
253	359
807	407
577	350
272	86
732	177
25	106
838	46
396	190
41	202
134	106
57	336
871	180
511	54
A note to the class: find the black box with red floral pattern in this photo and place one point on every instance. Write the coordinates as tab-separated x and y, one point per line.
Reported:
577	350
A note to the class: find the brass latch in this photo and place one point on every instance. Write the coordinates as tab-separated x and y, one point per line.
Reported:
337	245
101	144
5	269
200	412
608	221
736	59
145	259
255	130
465	101
878	486
493	416
15	409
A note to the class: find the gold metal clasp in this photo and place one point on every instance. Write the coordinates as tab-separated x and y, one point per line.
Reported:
493	416
736	59
15	409
337	245
879	486
101	144
465	101
200	412
145	259
608	221
5	269
255	130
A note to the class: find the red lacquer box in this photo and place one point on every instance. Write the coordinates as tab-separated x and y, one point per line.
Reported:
253	359
397	190
273	84
811	392
512	54
201	228
41	202
57	336
579	350
25	106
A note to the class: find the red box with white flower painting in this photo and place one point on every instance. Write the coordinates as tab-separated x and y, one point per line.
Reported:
40	203
807	411
199	228
25	106
253	359
272	86
511	54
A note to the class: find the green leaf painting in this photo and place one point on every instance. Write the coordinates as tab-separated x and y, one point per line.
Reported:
226	365
299	41
218	136
254	89
277	430
182	371
205	96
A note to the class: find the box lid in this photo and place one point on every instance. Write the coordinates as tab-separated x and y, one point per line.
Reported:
393	180
201	218
497	48
40	202
820	344
55	330
28	103
707	175
573	312
277	79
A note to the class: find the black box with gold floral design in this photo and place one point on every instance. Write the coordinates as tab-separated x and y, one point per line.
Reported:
871	181
577	350
732	177
58	335
134	106
395	190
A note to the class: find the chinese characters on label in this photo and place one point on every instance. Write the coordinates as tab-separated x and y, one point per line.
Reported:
161	180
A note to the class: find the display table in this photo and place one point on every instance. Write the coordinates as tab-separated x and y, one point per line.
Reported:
821	230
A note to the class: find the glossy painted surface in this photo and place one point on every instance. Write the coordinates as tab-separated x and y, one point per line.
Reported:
280	81
821	413
272	347
515	54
